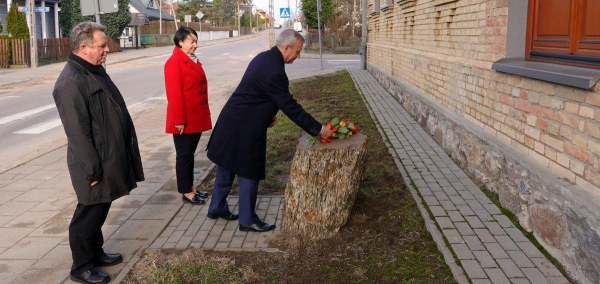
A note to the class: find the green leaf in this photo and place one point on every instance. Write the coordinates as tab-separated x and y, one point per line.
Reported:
343	130
341	136
335	121
350	125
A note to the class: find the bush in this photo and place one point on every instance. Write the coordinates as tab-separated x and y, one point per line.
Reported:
16	23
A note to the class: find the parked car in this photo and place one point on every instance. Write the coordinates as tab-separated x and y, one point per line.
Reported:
277	25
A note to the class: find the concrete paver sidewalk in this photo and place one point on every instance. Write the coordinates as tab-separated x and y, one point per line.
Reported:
490	248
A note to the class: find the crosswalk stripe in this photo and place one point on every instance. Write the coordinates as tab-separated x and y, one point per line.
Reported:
42	127
25	114
8	97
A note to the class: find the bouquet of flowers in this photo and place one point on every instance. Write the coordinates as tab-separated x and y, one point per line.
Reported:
340	129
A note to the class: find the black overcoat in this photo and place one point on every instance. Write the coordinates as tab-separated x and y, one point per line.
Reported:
238	142
97	145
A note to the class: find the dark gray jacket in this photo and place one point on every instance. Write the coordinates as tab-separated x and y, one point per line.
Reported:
97	145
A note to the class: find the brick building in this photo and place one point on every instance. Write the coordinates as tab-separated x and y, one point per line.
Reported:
509	89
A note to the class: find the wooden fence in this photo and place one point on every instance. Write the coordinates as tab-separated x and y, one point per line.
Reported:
18	52
53	49
4	53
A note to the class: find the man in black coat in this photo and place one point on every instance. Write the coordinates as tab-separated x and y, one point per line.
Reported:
102	153
238	143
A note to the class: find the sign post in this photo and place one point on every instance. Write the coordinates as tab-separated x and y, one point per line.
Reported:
319	30
97	7
199	15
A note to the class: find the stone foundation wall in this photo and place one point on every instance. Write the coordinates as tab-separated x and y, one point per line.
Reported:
565	218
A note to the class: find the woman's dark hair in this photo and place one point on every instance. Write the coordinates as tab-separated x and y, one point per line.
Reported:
182	33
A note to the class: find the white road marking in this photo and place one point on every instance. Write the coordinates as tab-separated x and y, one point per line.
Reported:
42	127
149	99
25	114
164	55
226	53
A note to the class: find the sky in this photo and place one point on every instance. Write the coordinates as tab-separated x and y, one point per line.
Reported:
264	4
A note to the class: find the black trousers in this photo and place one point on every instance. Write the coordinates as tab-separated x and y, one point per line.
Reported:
85	235
185	147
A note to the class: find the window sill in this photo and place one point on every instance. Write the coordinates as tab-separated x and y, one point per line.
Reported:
386	7
579	77
374	13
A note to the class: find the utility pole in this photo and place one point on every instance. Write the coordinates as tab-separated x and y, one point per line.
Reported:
363	44
97	7
319	30
271	22
33	35
160	17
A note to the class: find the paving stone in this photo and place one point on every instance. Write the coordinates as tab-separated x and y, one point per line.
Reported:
520	259
473	269
184	242
492	209
474	222
519	281
58	258
441	196
462	251
507	243
494	228
10	236
237	241
496	250
530	250
448	205
481	281
175	237
16	208
42	276
558	280
474	243
138	229
11	269
158	243
453	236
466	195
504	221
535	276
455	216
497	276
516	235
444	222
437	211
425	191
166	233
484	235
509	268
431	200
210	242
452	194
485	259
200	236
465	210
546	267
464	229
483	215
474	204
31	219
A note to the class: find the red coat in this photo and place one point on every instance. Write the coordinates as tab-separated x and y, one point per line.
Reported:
187	94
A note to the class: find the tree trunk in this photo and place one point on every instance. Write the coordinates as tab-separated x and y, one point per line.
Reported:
324	180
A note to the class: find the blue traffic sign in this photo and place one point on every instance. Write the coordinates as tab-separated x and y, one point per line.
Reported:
284	13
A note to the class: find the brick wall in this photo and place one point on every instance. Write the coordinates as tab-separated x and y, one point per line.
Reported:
447	51
536	144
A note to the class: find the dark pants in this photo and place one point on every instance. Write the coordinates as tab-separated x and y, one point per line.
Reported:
85	235
248	193
185	147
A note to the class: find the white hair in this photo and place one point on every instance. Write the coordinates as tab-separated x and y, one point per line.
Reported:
288	37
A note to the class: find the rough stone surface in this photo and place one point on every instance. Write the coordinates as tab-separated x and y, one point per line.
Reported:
549	224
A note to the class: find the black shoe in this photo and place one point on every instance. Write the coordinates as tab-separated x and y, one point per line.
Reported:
202	194
227	216
196	200
109	259
257	227
93	276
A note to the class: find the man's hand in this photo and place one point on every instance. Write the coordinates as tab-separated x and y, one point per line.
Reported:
180	127
325	133
273	122
94	183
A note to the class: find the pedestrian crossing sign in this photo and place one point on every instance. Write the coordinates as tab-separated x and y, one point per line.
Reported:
284	13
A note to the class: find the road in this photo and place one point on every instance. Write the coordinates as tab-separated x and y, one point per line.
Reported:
29	122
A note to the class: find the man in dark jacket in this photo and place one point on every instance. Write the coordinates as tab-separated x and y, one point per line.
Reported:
238	143
102	153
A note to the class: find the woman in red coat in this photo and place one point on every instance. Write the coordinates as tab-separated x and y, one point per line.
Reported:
188	114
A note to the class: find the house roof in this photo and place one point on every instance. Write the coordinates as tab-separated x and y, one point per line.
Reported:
142	6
